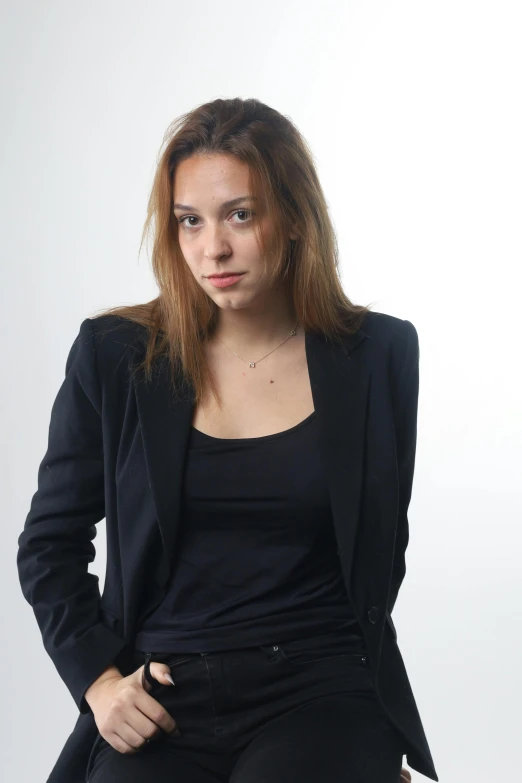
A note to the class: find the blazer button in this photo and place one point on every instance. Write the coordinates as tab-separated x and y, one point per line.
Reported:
374	615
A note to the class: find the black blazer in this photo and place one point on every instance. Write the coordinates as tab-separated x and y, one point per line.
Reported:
116	451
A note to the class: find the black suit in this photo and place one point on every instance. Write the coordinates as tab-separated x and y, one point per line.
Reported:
116	451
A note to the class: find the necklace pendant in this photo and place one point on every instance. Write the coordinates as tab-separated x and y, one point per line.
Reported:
252	364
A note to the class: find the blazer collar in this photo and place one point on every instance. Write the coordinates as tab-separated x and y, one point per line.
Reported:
340	393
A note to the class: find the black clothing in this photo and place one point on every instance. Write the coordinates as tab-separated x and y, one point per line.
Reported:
257	558
116	450
323	721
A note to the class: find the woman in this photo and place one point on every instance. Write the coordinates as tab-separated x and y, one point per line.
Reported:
249	437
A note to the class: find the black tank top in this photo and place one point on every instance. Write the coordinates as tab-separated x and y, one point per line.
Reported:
257	560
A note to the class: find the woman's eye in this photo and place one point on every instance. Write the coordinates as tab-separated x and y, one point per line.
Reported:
188	217
248	212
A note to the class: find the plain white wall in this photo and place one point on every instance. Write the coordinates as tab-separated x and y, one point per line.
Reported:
413	112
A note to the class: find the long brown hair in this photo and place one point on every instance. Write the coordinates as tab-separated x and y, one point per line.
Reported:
283	179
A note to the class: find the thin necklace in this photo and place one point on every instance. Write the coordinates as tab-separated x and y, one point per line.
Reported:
253	364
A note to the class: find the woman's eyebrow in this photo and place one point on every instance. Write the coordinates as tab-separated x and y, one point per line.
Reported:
224	205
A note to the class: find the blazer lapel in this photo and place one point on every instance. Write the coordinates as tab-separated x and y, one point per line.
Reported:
165	425
340	393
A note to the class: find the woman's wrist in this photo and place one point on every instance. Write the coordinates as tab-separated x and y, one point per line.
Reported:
110	673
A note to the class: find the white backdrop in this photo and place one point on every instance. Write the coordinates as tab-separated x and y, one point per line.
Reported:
413	112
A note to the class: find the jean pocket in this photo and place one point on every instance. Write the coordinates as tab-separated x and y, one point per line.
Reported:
177	660
305	652
171	659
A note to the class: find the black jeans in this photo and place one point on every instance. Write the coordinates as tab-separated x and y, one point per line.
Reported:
304	711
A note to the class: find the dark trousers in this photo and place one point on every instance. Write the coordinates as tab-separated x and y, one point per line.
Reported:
297	712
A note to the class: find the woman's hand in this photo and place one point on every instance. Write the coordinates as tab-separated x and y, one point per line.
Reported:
126	715
405	776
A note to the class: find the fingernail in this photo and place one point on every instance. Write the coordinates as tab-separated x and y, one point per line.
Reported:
169	678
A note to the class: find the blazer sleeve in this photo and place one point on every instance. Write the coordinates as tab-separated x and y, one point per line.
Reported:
405	394
55	547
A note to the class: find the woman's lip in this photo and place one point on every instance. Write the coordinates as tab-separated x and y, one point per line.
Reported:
223	282
227	274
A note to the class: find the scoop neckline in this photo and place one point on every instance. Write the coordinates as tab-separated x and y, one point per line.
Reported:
272	436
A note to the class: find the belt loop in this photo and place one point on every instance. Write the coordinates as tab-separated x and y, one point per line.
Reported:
146	672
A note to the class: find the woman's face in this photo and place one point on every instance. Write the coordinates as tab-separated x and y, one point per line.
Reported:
216	237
